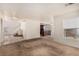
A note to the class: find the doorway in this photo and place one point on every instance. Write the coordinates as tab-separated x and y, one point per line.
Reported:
42	30
45	29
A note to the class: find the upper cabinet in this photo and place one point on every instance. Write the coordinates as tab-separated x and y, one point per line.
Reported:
71	23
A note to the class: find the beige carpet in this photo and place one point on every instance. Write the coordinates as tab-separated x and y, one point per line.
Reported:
38	47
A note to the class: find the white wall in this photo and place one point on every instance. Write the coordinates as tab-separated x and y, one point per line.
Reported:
52	26
1	31
0	28
10	25
58	29
31	29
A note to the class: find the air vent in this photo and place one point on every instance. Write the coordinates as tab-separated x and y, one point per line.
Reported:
68	4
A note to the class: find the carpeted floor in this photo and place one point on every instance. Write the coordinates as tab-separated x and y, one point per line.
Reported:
38	47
